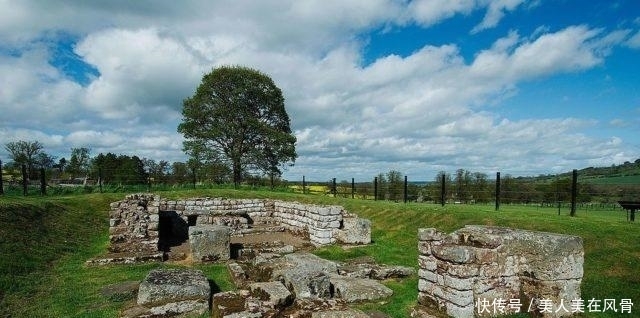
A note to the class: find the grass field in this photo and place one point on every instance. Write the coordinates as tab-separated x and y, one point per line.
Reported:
617	180
45	242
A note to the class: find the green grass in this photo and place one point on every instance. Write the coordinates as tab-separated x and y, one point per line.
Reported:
613	180
45	242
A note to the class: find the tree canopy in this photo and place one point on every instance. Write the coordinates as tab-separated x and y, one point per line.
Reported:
237	117
24	153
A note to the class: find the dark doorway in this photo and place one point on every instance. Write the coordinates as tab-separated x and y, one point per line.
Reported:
172	230
192	219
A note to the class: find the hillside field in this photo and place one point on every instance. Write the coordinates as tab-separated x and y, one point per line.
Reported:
46	240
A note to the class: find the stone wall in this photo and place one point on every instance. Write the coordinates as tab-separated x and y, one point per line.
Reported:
488	271
136	222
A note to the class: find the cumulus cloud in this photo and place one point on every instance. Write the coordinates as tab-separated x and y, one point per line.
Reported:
495	12
634	41
138	69
428	110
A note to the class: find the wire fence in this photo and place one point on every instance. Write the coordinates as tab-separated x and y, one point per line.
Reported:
561	193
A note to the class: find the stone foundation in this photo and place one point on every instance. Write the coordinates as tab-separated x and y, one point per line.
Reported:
487	271
140	222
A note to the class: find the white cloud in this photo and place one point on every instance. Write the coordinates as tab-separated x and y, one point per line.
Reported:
430	12
34	93
634	41
139	69
495	12
425	111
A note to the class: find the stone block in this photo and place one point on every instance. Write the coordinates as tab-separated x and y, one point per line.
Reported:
358	289
209	242
167	292
228	303
488	263
454	253
354	231
274	293
429	234
347	313
306	284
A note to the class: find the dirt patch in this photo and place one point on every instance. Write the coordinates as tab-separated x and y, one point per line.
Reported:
285	237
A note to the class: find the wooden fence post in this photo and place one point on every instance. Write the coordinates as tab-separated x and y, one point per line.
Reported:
24	180
558	193
43	182
574	192
497	191
334	190
405	189
353	188
304	185
375	189
100	179
1	185
442	189
193	172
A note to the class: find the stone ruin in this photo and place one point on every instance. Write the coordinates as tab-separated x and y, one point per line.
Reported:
487	271
143	226
297	284
274	279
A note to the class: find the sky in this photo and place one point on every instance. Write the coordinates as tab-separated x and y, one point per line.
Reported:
516	86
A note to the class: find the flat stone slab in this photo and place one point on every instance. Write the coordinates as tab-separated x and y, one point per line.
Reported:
305	274
353	289
210	243
188	289
307	284
354	231
310	262
347	313
273	292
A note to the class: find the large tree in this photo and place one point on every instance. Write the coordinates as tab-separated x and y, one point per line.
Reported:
237	116
79	162
24	153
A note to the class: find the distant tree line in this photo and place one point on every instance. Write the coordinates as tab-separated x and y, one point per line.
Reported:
110	168
464	186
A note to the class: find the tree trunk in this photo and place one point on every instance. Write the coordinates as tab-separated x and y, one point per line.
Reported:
237	172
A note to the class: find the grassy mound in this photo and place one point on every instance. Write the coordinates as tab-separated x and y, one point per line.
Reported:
45	242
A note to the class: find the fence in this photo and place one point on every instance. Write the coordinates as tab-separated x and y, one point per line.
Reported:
560	192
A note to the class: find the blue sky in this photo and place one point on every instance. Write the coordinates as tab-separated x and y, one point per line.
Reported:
521	87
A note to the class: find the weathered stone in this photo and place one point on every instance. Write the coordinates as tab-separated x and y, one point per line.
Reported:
358	289
310	262
488	263
209	242
354	231
272	292
138	218
429	234
163	286
453	253
396	271
237	273
421	312
305	307
307	284
227	303
193	307
356	270
347	313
